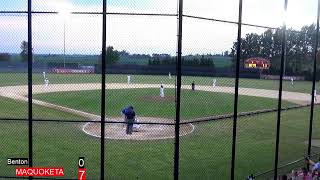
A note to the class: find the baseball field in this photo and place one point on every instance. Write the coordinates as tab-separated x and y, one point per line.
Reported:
205	147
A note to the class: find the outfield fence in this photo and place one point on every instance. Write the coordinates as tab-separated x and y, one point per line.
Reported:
255	126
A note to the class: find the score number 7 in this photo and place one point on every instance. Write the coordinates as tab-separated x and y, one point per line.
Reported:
82	174
81	170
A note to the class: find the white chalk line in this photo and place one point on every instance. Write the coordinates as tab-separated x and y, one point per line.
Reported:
144	139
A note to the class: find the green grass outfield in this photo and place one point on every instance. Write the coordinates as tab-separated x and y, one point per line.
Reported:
205	154
194	104
10	79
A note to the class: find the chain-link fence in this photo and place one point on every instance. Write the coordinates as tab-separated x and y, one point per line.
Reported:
159	89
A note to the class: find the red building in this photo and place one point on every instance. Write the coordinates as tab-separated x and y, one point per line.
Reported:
257	62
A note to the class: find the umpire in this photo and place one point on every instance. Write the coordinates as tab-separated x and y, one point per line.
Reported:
129	118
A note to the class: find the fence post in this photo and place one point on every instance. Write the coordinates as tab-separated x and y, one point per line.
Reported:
178	94
30	82
313	80
283	56
103	90
236	93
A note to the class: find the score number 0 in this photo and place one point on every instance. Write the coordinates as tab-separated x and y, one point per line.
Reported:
81	171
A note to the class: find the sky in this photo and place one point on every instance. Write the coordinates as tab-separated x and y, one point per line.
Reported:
144	34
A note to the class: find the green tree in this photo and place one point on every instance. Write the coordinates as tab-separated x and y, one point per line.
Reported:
299	49
24	51
112	56
5	57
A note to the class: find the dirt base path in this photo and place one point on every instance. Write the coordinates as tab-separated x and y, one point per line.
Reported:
14	91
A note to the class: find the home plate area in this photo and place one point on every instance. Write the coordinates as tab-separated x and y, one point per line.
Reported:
144	132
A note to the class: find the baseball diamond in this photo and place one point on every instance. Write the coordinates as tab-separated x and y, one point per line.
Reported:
147	131
160	89
156	115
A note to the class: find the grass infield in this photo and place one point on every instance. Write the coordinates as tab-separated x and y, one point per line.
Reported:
194	104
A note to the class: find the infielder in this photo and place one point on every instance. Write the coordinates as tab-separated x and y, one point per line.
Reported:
193	86
161	91
129	79
46	82
214	82
291	81
129	118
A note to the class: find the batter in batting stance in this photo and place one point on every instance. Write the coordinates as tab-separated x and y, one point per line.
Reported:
129	118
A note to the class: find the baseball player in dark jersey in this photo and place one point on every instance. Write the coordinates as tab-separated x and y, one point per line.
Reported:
129	118
193	86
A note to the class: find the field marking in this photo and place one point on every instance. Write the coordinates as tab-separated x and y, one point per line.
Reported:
143	139
90	134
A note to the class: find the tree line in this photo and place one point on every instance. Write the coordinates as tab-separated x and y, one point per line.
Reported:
23	54
299	49
165	59
112	56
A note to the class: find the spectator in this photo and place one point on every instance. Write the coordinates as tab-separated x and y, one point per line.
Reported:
284	177
294	175
315	166
304	174
315	175
250	177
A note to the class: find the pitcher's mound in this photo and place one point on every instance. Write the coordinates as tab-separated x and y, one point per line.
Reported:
144	132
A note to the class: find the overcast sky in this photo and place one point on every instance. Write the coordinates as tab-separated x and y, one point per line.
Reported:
144	34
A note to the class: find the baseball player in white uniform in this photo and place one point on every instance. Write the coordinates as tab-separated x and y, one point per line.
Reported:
161	91
46	82
129	79
214	82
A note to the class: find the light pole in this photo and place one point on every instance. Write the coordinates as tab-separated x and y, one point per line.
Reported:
64	43
65	10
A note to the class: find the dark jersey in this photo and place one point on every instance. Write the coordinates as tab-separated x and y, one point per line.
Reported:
129	113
